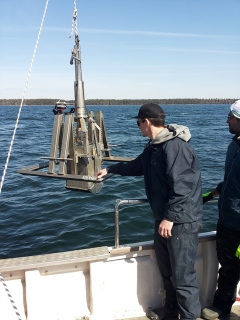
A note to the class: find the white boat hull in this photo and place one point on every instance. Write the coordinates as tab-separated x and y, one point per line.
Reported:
97	284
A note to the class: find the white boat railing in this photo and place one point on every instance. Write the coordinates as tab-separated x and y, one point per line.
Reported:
120	202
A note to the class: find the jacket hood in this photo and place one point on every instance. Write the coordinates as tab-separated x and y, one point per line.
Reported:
172	131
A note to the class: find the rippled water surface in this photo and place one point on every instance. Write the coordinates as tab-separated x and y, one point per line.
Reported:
40	215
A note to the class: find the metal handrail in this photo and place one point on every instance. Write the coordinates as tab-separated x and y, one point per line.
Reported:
120	202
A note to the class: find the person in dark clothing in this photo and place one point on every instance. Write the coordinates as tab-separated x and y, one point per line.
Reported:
228	227
173	187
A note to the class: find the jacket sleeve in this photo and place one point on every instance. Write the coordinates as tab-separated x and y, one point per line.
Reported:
131	168
183	175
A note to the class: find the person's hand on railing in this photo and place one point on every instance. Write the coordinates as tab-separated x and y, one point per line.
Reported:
207	196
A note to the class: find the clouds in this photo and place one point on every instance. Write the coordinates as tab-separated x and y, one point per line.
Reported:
159	34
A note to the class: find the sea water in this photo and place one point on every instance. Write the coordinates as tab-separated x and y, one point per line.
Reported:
39	215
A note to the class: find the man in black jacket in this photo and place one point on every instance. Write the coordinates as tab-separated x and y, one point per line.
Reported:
228	227
173	187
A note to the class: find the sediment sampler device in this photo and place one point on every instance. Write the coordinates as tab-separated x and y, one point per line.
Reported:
79	139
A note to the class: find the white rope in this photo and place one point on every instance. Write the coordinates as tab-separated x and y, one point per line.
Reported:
10	149
23	97
10	298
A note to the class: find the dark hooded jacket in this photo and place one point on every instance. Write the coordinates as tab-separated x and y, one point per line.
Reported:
171	174
229	189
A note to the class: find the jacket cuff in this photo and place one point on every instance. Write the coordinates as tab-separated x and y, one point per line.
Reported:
173	217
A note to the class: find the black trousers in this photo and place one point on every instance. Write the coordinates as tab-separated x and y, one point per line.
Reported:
176	257
229	274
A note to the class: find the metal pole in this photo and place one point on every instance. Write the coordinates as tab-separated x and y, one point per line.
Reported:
80	109
118	204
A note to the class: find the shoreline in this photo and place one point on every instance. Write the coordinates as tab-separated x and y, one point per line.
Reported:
116	102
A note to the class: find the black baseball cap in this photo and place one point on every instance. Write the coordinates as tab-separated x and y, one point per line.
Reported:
150	110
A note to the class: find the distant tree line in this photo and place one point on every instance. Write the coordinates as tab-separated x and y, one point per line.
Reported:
159	101
116	102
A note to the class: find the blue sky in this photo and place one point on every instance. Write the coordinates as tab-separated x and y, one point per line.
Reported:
132	49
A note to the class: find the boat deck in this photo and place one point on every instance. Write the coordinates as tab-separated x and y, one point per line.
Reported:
234	315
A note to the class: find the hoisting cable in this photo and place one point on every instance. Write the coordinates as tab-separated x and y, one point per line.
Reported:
74	20
11	144
23	97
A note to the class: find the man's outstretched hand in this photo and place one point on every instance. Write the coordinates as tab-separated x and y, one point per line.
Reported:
102	173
